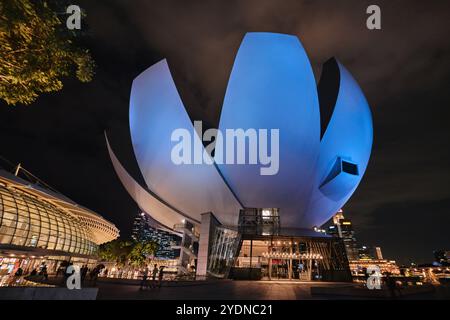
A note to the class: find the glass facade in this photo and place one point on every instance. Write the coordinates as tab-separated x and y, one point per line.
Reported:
261	249
279	258
343	229
291	258
224	245
26	220
262	221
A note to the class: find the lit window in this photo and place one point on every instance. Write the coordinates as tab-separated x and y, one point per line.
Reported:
266	214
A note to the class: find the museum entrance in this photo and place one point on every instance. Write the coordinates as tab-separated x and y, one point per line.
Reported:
291	258
305	269
260	249
279	260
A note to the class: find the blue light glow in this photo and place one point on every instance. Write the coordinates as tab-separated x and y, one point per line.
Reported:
271	86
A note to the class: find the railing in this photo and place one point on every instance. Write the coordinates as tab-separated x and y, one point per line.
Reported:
182	226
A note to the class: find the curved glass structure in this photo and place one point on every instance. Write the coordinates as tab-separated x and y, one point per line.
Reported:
32	217
27	221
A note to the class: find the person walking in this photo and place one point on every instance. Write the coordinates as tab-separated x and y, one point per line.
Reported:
84	271
44	272
144	283
154	274
94	276
160	276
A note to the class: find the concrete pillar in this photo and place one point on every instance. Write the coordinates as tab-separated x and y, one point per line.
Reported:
270	268
270	260
290	262
251	252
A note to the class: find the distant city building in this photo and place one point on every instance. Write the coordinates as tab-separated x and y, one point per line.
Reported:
369	257
442	257
436	272
343	229
143	231
369	252
360	257
359	267
365	253
378	253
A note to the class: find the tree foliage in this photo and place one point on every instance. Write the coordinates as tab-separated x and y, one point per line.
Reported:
141	251
115	251
127	252
37	51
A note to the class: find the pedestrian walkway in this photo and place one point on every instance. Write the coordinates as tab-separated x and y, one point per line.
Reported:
203	290
122	289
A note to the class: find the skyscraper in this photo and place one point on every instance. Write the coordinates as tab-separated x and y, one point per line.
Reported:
378	254
143	231
366	253
343	229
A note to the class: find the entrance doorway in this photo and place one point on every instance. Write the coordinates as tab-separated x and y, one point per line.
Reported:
279	258
292	269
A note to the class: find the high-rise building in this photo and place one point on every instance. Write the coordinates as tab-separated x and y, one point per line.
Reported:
378	254
343	229
365	253
369	253
144	231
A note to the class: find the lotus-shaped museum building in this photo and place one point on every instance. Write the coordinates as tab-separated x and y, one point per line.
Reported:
325	139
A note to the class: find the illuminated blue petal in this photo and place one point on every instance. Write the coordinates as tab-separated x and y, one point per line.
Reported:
272	86
156	110
344	151
159	211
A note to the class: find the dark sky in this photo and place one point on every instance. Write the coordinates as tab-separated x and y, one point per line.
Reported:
402	203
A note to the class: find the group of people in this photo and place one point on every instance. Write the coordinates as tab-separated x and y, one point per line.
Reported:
93	274
156	275
156	272
84	271
64	271
42	272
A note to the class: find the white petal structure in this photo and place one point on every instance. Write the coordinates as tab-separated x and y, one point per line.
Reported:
167	217
156	111
272	86
325	139
344	149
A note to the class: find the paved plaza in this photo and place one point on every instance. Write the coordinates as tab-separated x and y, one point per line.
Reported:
225	289
125	289
259	290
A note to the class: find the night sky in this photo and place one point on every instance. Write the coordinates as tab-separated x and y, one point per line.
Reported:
403	201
